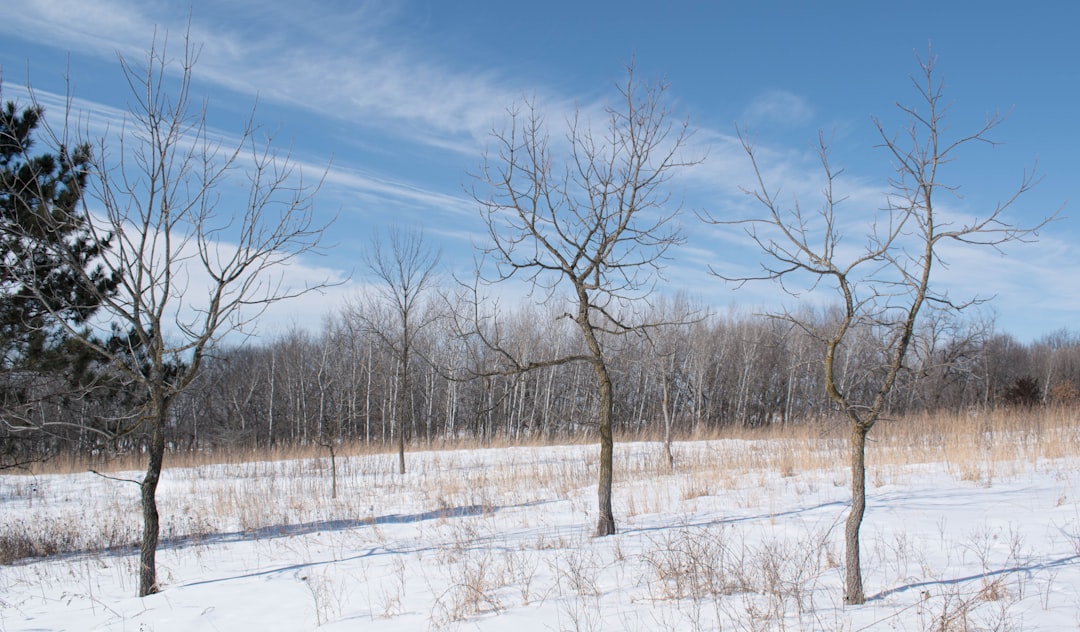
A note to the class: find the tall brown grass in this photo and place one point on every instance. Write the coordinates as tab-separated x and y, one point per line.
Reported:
961	440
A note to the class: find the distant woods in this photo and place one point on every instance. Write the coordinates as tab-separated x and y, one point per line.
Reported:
727	369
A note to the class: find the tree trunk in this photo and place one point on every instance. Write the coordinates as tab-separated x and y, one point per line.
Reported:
853	593
665	405
270	413
402	395
333	471
605	524
151	526
401	446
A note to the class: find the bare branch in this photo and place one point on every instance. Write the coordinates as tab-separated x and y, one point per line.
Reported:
884	285
193	264
596	225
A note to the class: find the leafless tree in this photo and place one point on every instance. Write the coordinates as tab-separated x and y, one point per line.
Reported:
329	419
405	270
884	285
194	268
595	222
665	354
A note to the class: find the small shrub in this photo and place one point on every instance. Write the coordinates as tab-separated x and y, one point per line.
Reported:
1024	392
15	547
1064	394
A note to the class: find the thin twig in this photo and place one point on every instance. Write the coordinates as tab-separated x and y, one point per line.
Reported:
114	478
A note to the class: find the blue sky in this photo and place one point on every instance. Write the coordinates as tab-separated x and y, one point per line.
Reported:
401	96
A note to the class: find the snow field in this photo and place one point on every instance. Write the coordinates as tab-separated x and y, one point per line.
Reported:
744	535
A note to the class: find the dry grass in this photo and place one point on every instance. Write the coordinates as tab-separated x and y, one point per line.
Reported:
73	463
975	446
967	441
254	493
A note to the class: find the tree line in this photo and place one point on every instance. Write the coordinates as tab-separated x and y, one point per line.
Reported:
725	369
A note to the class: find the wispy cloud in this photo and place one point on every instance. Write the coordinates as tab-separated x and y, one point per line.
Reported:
101	27
778	107
381	191
356	65
364	190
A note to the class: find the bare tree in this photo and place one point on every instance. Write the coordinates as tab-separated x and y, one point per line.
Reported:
329	420
405	272
665	354
884	285
192	268
595	222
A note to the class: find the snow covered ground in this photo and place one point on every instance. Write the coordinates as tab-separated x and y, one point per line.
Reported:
500	539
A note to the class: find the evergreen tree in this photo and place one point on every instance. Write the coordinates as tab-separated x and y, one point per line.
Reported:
47	255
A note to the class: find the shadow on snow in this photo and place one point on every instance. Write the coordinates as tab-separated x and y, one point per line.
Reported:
1026	568
289	530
